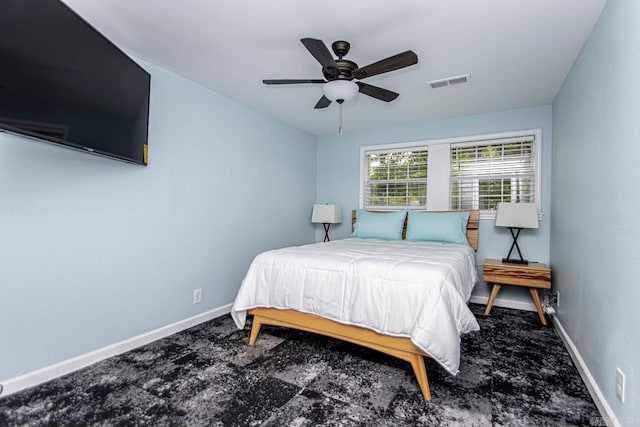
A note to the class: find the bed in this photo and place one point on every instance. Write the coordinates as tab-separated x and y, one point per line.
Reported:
405	299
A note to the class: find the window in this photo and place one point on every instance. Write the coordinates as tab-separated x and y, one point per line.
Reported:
483	175
465	173
396	179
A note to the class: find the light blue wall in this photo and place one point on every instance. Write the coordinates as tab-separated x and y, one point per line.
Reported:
94	251
339	169
595	244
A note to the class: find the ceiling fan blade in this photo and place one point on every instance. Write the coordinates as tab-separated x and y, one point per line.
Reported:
319	50
377	92
323	102
391	63
291	81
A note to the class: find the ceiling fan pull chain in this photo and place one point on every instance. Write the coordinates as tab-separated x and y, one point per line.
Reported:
340	120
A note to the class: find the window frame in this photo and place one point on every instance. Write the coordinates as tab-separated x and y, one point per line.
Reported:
365	173
440	193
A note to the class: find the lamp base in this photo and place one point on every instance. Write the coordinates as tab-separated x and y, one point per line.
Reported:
515	232
326	226
514	261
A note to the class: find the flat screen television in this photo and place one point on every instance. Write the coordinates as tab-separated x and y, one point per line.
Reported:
62	82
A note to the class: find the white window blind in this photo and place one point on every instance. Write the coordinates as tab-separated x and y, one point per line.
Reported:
396	179
488	172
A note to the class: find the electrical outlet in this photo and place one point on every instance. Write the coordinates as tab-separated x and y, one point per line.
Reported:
550	300
197	296
620	385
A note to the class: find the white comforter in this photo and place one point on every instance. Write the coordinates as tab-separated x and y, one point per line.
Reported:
407	289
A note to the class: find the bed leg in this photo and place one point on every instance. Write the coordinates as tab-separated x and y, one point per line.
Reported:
417	362
255	330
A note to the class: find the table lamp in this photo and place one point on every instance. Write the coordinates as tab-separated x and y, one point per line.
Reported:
516	216
326	215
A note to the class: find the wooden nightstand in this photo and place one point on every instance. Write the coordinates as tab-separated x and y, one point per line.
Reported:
533	276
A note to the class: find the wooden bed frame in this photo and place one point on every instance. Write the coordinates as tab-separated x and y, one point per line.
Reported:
399	347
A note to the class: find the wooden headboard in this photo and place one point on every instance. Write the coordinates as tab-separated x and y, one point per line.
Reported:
472	225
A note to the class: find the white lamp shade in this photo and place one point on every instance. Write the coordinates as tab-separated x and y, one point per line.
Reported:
340	89
517	215
326	214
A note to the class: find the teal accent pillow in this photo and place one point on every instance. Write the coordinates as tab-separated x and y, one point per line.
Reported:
371	225
447	227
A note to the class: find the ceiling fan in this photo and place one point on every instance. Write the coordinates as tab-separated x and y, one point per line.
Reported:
340	73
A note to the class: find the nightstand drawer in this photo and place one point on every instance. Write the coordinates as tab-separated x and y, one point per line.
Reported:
531	275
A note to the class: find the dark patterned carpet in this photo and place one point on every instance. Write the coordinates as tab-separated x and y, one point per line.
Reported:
513	372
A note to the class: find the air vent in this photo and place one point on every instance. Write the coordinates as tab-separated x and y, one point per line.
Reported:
458	80
449	81
439	83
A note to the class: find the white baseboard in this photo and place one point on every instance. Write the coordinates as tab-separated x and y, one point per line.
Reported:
609	417
30	379
506	303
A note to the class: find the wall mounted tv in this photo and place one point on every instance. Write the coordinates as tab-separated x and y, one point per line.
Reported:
62	82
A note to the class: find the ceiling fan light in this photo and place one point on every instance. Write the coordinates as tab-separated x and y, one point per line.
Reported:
340	89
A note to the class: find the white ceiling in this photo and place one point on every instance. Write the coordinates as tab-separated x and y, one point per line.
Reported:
518	52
